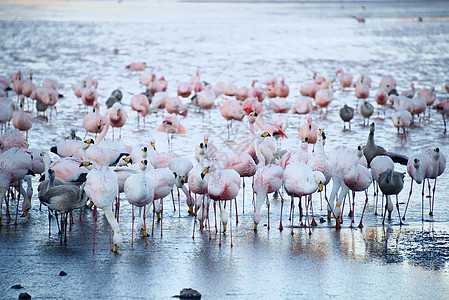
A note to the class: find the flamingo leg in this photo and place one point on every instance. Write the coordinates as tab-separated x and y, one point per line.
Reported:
433	197
145	225
236	213
292	211
230	220
409	195
282	206
243	206
268	205
132	226
399	213
95	225
363	211
311	207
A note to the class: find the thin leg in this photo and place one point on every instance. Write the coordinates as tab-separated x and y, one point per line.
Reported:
363	211
399	213
409	195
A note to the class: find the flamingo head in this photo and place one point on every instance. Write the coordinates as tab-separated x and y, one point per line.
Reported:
118	241
256	219
205	171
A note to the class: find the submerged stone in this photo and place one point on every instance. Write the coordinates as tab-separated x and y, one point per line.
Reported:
62	273
24	296
17	286
189	294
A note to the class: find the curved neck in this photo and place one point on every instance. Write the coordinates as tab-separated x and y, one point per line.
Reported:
102	134
259	155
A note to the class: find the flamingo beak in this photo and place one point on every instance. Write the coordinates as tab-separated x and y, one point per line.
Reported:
143	232
115	249
320	187
255	227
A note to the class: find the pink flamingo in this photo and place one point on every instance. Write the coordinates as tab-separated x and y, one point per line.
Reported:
14	165
344	78
223	185
231	110
302	105
11	139
136	66
174	105
402	119
184	89
360	184
252	104
443	109
409	93
361	91
309	131
102	189
300	180
256	92
378	165
309	89
140	104
282	89
181	167
438	166
389	82
6	112
117	117
139	192
279	106
381	98
89	95
241	93
22	120
419	167
323	98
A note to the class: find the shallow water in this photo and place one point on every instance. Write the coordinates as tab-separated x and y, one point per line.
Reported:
237	42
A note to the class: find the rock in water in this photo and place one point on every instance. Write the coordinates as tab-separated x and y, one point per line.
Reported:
189	294
24	296
62	273
17	287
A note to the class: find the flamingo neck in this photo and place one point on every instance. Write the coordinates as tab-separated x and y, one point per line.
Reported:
102	134
259	154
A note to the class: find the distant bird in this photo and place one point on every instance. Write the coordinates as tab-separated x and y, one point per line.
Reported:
391	183
402	119
117	117
443	109
344	78
359	19
366	110
116	96
140	104
409	93
136	66
346	114
371	150
22	120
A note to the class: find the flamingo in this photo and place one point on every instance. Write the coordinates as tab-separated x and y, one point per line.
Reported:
419	167
145	151
324	97
241	93
409	93
22	120
309	131
137	66
184	89
344	78
361	183
89	95
252	104
230	109
282	89
14	165
402	119
443	109
438	166
302	105
91	120
117	117
345	163
174	105
380	164
102	189
389	82
181	168
222	185
381	98
139	191
6	112
300	180
163	181
11	139
140	104
361	91
267	179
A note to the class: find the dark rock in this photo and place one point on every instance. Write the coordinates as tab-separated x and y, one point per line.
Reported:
17	287
322	220
62	273
24	296
189	294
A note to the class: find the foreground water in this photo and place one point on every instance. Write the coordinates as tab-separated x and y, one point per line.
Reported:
69	41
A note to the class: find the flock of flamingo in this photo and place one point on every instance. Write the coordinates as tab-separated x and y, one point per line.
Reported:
96	171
